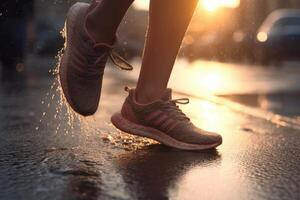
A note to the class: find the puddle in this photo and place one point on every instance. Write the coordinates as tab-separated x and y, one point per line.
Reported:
126	141
287	104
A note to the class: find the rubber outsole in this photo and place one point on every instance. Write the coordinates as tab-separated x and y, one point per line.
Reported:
129	127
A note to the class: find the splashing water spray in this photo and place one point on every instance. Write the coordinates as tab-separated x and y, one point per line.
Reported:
67	121
55	100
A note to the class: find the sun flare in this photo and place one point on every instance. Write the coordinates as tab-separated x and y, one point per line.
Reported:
213	5
142	4
208	5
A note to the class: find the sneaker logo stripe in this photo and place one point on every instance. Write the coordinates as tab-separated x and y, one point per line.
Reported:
173	125
152	116
160	120
165	126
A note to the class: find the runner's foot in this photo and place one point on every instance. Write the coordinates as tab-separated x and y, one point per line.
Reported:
83	62
163	121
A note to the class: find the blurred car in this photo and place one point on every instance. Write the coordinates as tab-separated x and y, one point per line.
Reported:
222	46
278	38
211	45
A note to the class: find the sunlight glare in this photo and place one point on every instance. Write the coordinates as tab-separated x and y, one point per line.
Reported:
212	81
141	4
208	5
213	5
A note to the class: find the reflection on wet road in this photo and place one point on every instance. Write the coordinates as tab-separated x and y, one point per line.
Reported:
202	77
270	88
92	160
156	172
283	103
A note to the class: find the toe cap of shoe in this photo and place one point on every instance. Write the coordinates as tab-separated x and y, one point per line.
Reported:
84	95
193	135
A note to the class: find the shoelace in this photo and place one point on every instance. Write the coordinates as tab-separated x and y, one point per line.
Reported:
95	60
114	56
119	61
172	107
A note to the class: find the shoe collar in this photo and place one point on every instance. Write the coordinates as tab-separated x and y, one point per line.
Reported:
166	96
88	36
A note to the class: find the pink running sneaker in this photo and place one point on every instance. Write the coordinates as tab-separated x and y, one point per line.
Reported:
82	64
164	122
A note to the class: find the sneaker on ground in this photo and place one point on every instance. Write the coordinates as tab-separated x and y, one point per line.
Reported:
163	121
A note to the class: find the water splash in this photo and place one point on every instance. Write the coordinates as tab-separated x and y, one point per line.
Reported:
64	118
58	113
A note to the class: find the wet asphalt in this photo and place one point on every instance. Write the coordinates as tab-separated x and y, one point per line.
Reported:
47	154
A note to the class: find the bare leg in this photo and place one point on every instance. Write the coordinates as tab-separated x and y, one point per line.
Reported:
104	20
168	23
169	20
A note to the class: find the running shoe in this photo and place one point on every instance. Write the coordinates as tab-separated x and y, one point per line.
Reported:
163	121
83	62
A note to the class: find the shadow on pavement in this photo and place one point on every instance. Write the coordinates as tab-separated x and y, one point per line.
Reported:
152	171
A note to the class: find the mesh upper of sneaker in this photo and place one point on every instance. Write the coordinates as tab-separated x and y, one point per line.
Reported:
84	61
165	115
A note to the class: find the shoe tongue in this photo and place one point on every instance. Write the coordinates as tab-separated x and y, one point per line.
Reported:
167	95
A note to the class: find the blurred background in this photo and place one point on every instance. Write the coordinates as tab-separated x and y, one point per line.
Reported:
235	52
243	50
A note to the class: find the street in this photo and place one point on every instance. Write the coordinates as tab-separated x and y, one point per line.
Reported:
47	152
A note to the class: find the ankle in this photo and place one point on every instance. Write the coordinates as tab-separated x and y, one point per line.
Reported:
147	96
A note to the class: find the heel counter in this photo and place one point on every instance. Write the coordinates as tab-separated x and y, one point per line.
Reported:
128	113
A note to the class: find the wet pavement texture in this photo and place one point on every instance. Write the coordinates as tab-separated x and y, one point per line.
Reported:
46	153
283	103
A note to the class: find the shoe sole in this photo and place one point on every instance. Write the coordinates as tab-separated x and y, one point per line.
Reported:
135	129
63	69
